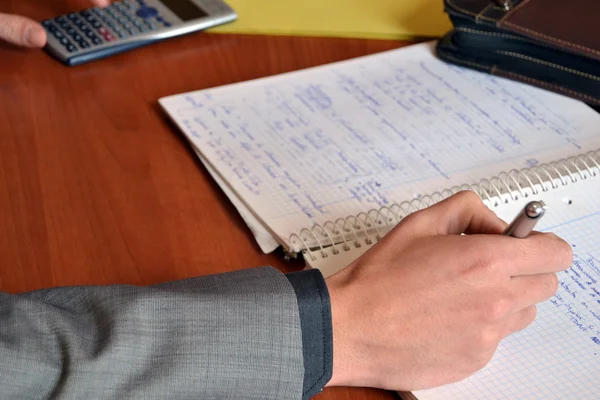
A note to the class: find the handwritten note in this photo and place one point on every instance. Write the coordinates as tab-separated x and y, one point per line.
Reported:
579	297
325	143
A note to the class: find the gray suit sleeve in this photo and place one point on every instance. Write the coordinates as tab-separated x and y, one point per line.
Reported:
226	336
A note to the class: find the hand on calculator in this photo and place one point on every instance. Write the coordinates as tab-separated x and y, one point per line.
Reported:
23	31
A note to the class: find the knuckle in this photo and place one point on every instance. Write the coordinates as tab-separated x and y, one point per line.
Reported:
415	218
496	309
486	259
468	197
488	339
524	319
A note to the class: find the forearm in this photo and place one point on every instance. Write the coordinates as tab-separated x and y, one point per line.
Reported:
212	337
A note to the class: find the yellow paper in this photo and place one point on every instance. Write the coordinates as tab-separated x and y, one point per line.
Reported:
385	19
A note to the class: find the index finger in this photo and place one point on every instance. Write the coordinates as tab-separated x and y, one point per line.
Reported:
542	253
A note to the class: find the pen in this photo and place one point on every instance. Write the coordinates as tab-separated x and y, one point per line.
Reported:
524	223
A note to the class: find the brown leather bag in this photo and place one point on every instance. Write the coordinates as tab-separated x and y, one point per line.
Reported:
553	44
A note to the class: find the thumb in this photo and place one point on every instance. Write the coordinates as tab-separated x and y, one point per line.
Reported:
21	31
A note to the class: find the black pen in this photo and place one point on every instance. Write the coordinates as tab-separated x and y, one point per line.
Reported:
524	223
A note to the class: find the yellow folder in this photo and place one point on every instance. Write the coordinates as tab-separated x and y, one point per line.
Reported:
385	19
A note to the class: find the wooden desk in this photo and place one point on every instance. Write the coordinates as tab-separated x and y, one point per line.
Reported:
96	187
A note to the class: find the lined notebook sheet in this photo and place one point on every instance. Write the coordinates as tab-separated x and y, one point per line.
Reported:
558	356
320	144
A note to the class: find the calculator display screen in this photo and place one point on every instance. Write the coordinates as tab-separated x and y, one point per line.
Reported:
185	9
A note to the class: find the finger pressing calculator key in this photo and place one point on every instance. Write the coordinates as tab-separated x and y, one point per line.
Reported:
77	38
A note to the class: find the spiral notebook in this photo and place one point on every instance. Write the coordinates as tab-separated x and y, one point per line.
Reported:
300	152
326	161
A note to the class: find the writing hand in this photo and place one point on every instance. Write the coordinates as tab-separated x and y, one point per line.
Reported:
25	32
428	306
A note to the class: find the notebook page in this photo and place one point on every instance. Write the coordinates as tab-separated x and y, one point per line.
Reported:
316	145
265	241
558	356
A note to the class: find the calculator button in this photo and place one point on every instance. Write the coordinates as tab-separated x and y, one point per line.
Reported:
71	48
89	34
47	23
72	16
83	44
85	13
163	21
58	34
52	28
96	40
71	31
64	41
147	12
77	37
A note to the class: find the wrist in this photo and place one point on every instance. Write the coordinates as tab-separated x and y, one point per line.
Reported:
348	364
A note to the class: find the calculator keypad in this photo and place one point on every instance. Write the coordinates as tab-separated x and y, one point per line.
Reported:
99	26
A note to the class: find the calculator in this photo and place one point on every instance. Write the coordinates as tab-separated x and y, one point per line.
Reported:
96	33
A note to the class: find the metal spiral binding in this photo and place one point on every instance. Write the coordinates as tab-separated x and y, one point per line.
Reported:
364	228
